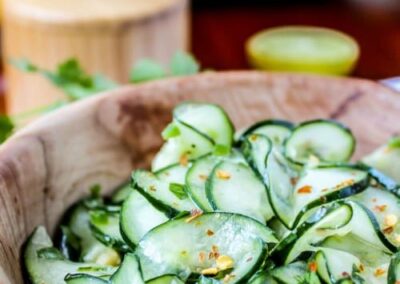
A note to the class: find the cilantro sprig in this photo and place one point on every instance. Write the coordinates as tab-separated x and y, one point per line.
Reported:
76	84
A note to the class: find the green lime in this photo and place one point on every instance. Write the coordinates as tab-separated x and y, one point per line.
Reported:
303	49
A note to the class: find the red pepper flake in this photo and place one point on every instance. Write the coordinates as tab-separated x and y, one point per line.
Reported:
388	230
345	274
224	175
312	266
294	180
345	183
379	272
305	189
202	256
203	177
214	254
195	213
253	138
374	199
361	267
210	233
184	160
380	208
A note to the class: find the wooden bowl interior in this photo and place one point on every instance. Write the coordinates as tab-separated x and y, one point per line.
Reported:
52	163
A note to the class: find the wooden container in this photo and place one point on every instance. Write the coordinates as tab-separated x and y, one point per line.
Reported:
105	36
50	164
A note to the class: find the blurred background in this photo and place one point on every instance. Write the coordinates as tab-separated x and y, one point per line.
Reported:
109	38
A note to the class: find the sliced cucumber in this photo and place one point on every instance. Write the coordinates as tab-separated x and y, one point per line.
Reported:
160	194
385	207
199	115
45	264
84	279
182	246
256	149
386	159
105	227
394	270
327	221
138	216
189	144
276	130
233	187
173	174
334	265
291	196
199	173
166	279
292	273
129	272
121	193
262	277
324	140
92	250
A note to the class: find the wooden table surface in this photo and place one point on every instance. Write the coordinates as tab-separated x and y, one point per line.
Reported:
220	29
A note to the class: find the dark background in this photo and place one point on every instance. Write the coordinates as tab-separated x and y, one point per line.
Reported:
221	27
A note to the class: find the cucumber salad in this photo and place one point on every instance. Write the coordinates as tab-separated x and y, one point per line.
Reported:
277	202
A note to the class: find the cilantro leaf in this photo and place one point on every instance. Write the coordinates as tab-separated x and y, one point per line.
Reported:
70	78
6	127
183	63
146	70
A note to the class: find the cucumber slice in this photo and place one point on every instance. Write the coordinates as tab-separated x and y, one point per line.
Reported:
386	159
189	144
121	193
138	216
327	221
256	148
166	279
199	115
385	206
105	227
45	264
235	188
291	196
173	173
292	273
334	265
84	279
92	250
240	238
262	277
129	272
349	227
394	269
159	193
276	130
198	174
323	140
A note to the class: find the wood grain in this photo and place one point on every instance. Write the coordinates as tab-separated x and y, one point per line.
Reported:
105	36
50	164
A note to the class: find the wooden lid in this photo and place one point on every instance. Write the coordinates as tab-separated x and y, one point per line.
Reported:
85	11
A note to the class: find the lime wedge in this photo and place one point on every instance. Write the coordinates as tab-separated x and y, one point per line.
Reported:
303	49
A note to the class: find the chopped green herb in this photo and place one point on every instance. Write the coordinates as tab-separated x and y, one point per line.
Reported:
394	143
221	150
178	190
98	217
95	191
6	127
170	131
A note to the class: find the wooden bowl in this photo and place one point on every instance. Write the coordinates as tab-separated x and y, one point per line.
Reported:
51	164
